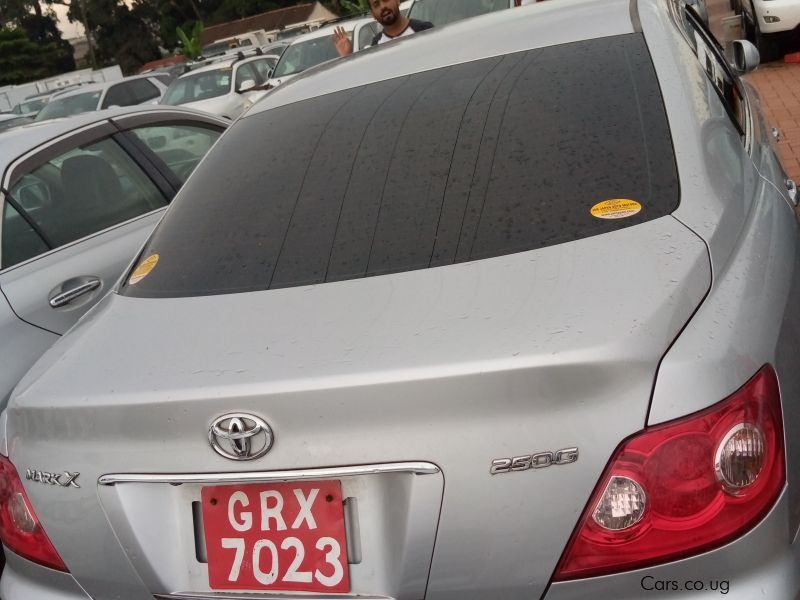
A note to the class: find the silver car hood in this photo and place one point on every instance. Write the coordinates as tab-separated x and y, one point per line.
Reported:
457	366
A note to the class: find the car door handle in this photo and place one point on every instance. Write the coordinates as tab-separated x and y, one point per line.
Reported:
792	187
65	298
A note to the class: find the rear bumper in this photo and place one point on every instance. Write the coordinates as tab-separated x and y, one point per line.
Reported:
788	11
765	563
24	580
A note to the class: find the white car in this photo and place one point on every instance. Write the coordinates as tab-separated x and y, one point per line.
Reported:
770	23
221	88
139	89
312	49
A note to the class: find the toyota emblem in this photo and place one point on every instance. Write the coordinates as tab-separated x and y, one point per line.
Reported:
240	436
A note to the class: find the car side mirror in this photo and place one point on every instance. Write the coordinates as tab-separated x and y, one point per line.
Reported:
246	86
745	56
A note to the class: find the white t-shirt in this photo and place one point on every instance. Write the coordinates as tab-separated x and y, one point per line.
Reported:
407	31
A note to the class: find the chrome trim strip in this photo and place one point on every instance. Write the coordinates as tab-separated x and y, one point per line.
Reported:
415	468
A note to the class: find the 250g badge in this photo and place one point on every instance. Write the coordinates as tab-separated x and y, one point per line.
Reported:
540	460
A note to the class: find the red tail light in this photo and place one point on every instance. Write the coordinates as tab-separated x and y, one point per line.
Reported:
684	487
20	529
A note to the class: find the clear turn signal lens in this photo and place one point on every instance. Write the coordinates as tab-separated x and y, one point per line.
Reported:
20	514
622	505
740	457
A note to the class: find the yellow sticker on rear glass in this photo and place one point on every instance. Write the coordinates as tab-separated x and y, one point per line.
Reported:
144	268
618	208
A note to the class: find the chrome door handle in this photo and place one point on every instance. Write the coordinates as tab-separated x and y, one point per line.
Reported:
66	297
792	187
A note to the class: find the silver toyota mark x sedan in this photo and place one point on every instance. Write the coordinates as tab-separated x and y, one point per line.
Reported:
504	310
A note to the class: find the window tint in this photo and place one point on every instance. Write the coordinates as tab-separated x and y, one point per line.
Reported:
501	155
245	72
367	34
143	90
20	241
713	61
181	147
79	193
118	95
263	67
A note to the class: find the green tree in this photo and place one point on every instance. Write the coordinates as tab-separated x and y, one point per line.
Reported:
22	60
354	6
123	33
191	46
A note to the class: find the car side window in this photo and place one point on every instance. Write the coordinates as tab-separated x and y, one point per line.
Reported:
366	35
143	90
245	72
74	195
180	147
263	68
719	73
20	240
118	95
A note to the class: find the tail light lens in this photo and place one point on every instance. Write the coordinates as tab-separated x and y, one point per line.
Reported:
684	487
20	529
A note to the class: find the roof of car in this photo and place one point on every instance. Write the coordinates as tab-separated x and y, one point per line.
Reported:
226	63
21	140
495	34
93	87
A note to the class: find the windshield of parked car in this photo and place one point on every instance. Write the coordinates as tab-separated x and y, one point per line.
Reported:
501	155
304	55
71	105
29	106
442	12
199	86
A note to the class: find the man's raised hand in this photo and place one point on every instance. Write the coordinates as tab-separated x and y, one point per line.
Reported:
343	45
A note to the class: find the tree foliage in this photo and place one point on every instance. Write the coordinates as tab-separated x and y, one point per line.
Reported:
22	59
191	46
124	32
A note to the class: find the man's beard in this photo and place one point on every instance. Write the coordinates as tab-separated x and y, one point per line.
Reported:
388	18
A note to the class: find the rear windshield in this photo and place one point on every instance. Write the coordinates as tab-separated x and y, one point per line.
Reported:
501	155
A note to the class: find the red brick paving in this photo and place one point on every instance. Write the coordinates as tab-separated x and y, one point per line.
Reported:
777	83
779	86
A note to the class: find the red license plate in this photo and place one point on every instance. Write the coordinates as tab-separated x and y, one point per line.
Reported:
276	536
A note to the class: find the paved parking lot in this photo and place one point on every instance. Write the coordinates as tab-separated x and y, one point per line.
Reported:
779	86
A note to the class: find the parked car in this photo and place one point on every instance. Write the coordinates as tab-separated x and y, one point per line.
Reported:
771	25
547	256
8	121
130	91
442	12
312	49
33	104
79	198
223	87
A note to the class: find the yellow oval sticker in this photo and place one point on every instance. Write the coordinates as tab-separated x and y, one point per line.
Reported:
616	209
143	270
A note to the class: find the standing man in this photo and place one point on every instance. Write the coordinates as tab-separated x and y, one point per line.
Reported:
395	25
